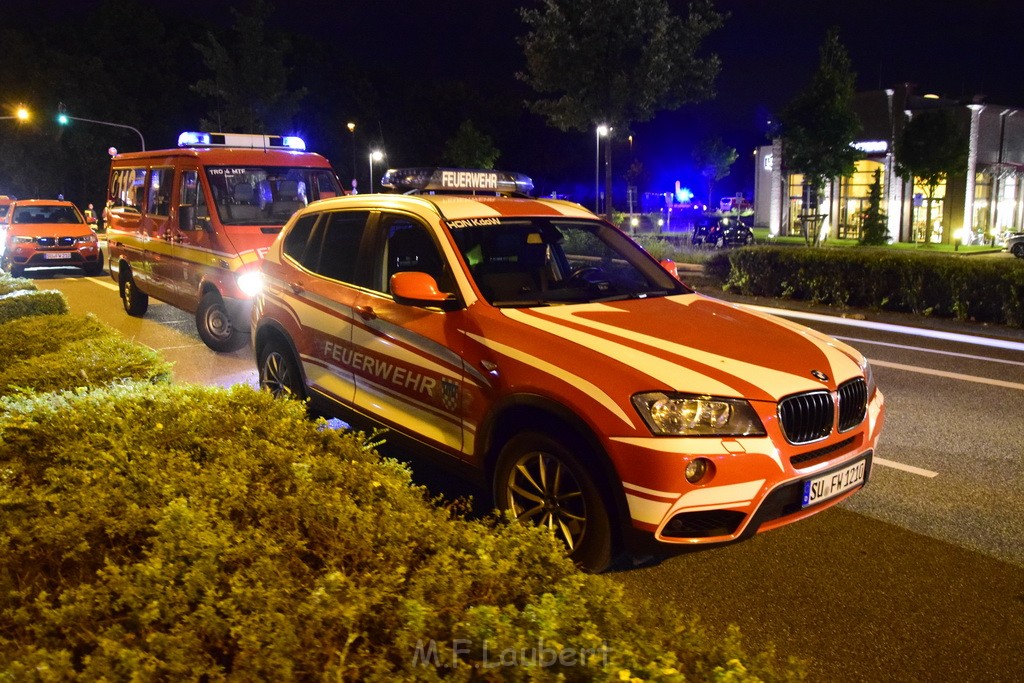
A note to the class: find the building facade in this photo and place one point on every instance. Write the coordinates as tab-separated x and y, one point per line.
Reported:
983	202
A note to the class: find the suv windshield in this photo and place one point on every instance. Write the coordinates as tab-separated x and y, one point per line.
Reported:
267	195
538	261
40	213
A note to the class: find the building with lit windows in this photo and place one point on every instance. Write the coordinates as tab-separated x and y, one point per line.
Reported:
984	202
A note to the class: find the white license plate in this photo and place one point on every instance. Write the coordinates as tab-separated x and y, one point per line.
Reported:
57	255
835	482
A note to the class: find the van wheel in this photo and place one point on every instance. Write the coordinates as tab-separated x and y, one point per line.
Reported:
279	372
135	301
215	326
542	482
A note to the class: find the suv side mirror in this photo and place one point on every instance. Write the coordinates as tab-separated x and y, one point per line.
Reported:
411	288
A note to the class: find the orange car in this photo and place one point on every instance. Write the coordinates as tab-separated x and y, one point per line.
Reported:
47	233
538	347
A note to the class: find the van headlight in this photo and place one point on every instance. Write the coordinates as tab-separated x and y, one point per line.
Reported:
690	415
250	282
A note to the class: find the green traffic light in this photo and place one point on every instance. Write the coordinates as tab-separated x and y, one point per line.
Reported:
62	119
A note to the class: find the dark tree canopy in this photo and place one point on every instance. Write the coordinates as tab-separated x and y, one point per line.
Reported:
714	160
932	147
819	124
470	148
616	62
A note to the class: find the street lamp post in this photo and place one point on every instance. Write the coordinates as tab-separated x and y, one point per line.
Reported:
375	155
63	117
352	129
601	130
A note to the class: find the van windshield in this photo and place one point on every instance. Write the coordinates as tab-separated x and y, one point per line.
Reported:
267	195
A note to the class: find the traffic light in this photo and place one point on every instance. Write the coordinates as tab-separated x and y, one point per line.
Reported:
62	115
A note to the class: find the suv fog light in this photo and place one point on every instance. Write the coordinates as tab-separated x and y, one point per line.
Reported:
697	469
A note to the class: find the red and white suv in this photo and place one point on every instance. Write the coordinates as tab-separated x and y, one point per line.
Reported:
536	345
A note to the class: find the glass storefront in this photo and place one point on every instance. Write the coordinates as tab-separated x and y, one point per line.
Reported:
922	214
854	193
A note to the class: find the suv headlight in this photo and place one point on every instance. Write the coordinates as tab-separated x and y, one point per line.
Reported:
869	379
22	239
86	239
690	415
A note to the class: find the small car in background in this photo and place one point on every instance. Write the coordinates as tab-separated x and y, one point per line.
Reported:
729	232
722	232
49	233
1015	245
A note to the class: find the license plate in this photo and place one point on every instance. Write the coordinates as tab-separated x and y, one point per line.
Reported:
834	483
57	255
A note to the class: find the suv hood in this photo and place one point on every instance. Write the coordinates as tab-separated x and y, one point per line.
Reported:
690	343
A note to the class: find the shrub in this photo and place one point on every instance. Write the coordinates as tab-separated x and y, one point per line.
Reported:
10	284
181	532
57	352
24	302
983	290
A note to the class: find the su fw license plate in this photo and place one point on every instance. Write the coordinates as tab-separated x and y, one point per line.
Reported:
835	482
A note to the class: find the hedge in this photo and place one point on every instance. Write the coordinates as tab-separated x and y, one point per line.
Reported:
976	289
24	302
184	533
47	352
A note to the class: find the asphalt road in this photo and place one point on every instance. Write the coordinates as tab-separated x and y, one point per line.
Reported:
918	577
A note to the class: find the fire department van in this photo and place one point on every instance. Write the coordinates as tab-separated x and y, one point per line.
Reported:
188	226
538	347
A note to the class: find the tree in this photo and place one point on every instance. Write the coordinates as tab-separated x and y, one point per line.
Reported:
932	147
249	85
873	229
818	127
616	62
469	148
714	158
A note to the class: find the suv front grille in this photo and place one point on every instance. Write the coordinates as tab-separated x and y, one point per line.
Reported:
807	417
853	403
55	241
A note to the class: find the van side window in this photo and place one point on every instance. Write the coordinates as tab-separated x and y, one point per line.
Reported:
127	187
160	185
191	194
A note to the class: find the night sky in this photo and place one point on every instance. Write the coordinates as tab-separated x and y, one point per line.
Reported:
769	48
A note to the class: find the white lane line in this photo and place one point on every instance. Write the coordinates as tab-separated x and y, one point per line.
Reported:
949	375
905	468
901	329
921	349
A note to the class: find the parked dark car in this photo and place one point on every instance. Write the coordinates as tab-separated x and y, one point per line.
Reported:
722	232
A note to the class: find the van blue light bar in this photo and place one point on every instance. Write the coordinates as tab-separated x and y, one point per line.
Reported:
457	180
243	140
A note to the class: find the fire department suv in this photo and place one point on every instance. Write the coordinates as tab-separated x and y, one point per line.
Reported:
188	226
542	349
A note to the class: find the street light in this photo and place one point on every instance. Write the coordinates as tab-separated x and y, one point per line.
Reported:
21	114
375	155
352	129
63	118
601	131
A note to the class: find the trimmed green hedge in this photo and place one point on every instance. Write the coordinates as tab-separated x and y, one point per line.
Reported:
183	533
47	352
24	302
977	289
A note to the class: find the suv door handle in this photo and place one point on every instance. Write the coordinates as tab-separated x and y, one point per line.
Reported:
297	288
366	312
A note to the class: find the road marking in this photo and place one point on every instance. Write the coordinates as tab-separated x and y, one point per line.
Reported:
900	329
949	375
905	468
922	349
